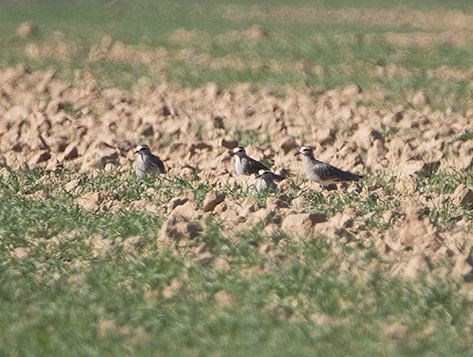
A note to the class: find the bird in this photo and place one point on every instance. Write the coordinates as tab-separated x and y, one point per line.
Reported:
147	163
266	180
323	173
245	165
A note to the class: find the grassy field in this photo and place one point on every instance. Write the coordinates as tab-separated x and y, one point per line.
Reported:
319	51
63	291
102	284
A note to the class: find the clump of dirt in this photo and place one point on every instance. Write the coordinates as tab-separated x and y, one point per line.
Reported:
27	29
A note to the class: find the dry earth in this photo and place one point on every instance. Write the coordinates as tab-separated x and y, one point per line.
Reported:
48	124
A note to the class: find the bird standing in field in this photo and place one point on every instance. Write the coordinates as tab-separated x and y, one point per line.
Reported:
245	165
266	180
323	173
147	163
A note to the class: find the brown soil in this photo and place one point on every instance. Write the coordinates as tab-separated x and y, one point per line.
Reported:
48	124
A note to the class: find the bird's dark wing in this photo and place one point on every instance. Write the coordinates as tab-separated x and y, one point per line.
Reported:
329	173
253	166
157	162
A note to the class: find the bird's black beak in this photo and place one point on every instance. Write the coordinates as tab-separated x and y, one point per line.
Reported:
232	153
297	153
259	175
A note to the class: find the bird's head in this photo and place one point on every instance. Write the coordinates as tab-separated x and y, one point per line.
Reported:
240	152
142	149
305	150
264	174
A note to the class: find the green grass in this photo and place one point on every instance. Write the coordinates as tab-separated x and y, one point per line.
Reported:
67	295
62	294
331	45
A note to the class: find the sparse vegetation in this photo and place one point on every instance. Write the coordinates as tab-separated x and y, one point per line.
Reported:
59	280
396	58
97	262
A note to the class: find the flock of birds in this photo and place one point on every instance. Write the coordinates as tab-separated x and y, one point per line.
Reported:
318	171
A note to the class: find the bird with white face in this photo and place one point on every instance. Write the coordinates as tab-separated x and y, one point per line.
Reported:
323	173
266	181
245	165
147	163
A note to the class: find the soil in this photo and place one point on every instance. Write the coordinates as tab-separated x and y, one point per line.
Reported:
48	124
